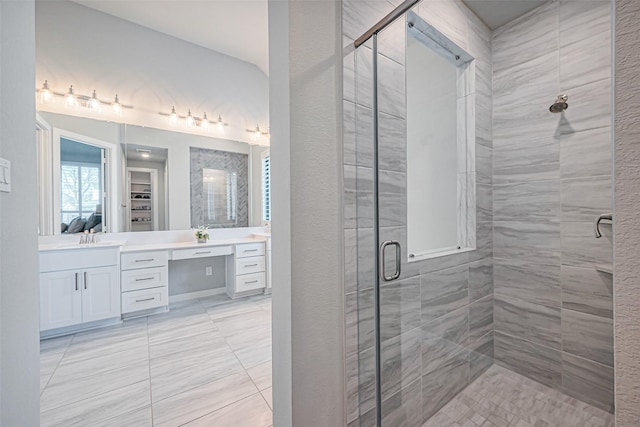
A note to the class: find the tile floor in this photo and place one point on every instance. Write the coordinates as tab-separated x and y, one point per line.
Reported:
207	362
502	398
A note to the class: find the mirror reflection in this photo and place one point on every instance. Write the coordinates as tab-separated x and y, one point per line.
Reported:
219	197
115	177
81	186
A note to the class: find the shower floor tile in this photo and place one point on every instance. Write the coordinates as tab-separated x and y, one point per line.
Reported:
502	398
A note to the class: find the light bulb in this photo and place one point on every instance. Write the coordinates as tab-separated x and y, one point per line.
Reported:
94	103
190	121
205	122
256	134
70	100
173	117
46	95
220	124
116	106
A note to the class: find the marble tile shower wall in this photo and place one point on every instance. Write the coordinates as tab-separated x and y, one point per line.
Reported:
551	178
437	321
202	158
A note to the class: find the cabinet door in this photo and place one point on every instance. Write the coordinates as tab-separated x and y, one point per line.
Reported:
100	293
60	299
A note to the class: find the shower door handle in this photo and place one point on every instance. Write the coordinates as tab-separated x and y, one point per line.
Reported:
396	274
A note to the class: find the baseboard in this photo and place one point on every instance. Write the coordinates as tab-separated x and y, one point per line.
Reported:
197	294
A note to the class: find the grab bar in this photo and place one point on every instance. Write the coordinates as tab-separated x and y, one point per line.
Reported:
608	217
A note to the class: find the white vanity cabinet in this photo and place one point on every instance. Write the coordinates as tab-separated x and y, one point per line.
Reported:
246	270
144	279
78	286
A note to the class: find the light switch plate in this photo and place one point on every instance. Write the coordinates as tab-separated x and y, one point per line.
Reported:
5	175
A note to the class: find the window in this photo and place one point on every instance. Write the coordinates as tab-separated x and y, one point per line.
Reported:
440	140
266	186
79	190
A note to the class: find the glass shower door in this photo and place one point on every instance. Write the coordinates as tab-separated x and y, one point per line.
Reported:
415	204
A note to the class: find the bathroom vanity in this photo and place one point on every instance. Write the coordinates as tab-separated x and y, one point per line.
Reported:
86	286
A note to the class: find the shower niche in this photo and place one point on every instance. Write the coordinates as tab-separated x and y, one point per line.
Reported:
440	79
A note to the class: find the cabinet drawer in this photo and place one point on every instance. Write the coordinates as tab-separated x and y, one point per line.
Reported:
249	265
145	299
249	282
203	252
249	250
144	278
133	260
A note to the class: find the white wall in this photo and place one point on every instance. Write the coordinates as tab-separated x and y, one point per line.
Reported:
19	328
147	69
626	205
432	199
308	314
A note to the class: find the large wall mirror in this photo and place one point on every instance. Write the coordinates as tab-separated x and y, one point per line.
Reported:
134	168
114	177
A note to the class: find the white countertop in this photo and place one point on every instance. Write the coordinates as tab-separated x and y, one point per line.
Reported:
155	240
75	246
187	245
156	246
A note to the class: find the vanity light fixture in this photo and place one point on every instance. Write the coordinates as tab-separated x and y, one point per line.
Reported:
220	124
116	106
93	104
173	117
70	100
204	123
46	95
192	121
189	120
74	100
257	133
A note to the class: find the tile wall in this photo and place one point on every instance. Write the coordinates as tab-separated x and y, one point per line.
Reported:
551	178
437	320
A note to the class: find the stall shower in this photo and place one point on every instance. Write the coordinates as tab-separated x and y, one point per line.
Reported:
476	163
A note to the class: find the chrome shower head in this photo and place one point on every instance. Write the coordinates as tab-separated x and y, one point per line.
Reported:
560	105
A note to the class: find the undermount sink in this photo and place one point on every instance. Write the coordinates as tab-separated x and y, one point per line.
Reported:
76	245
84	245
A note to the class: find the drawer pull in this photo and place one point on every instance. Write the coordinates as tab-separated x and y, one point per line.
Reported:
203	252
85	280
145	260
146	299
144	278
251	281
76	281
250	265
250	250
